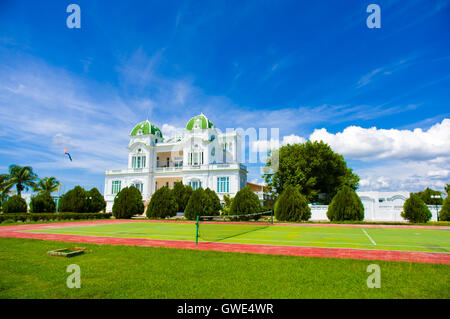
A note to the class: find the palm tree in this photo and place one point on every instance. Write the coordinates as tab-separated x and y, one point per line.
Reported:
4	187
47	185
22	177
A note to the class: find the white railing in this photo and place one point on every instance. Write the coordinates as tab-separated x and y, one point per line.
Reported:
126	171
168	169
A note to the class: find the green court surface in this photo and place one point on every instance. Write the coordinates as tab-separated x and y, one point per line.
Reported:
404	239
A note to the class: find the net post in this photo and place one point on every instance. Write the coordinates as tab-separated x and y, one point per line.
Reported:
196	231
271	216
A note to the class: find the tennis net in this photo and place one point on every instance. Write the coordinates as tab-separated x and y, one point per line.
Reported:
217	228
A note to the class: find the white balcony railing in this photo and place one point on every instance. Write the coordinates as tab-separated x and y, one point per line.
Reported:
175	169
168	169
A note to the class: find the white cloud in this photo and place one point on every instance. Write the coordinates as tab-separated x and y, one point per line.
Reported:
443	173
170	131
398	159
264	146
372	144
258	181
366	79
392	159
293	139
403	175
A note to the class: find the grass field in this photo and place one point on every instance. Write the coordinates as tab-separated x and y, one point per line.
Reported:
144	272
404	239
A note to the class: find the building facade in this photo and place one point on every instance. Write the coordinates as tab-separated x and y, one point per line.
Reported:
265	196
200	156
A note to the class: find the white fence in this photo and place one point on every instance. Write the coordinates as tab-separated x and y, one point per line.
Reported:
381	212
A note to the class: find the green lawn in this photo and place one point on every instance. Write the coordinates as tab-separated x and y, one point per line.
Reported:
405	239
142	272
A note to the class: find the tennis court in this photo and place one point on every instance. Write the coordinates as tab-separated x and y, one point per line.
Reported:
373	238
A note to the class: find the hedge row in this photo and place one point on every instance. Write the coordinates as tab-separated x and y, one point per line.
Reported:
53	216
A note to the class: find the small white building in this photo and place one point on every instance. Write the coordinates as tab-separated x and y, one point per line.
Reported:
200	156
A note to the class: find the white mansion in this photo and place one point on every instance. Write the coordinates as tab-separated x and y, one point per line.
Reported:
200	156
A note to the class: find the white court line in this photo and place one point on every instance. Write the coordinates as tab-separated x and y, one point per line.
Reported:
373	242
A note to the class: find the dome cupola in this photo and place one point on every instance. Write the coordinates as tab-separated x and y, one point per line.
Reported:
199	122
146	128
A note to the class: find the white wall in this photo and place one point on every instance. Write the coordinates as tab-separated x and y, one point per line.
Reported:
378	206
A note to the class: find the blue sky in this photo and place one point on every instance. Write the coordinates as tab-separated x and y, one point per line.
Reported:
310	68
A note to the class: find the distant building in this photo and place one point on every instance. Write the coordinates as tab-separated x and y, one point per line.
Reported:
265	197
200	156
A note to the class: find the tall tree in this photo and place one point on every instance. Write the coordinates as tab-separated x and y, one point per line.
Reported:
182	193
430	196
47	185
245	202
313	168
22	177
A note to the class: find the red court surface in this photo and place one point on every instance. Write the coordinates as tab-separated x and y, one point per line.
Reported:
366	254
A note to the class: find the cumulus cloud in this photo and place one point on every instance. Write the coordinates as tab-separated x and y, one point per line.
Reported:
369	144
293	139
388	175
386	159
398	159
170	131
263	146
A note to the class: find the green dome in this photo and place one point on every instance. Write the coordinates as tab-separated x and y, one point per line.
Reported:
145	128
199	122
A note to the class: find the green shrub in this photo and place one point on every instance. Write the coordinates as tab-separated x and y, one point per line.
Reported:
127	203
182	193
76	216
346	205
292	206
162	204
415	210
444	213
52	216
15	217
95	201
15	204
214	207
197	205
43	203
245	202
75	200
3	200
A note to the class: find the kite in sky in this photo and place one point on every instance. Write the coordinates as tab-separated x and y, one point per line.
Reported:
67	153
